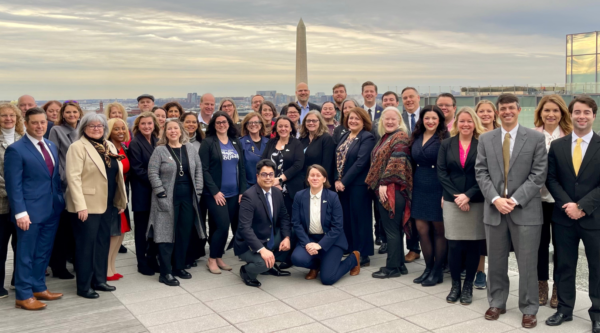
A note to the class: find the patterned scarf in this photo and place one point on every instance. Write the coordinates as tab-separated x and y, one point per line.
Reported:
102	149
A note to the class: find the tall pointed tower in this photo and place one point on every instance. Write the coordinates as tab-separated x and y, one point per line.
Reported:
301	62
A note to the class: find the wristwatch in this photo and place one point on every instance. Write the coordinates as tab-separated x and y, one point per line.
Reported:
579	207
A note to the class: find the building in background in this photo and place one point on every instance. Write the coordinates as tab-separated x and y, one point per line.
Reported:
582	67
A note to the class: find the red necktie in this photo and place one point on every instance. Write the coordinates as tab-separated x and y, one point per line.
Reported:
47	158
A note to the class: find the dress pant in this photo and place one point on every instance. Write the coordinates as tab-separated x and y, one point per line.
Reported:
92	243
220	218
378	229
145	249
394	231
34	247
64	244
358	219
286	256
412	242
526	241
329	262
255	264
543	266
7	229
565	269
197	247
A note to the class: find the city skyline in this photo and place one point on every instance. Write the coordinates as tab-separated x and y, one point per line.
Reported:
61	50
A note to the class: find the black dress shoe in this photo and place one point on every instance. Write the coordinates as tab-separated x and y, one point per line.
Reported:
104	287
63	275
557	319
145	270
434	278
403	270
188	266
386	273
246	278
182	274
276	271
595	326
454	292
378	240
365	261
88	294
284	265
122	249
423	276
169	280
195	264
383	249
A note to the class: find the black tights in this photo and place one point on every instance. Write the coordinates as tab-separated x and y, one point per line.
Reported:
463	251
432	239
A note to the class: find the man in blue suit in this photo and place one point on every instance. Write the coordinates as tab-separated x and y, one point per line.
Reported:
35	196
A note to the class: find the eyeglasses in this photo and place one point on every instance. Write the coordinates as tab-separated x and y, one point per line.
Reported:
218	123
312	121
96	127
253	123
72	102
267	175
226	106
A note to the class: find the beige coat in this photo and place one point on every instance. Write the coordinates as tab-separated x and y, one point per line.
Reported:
86	179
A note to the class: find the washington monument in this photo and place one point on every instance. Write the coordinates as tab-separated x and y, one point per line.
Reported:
301	67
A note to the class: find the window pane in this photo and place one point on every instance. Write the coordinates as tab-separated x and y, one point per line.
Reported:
584	69
569	44
568	69
584	43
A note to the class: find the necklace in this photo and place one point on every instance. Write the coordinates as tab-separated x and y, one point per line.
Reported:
178	160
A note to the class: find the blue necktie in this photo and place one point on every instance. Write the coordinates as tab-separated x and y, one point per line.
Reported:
271	241
412	122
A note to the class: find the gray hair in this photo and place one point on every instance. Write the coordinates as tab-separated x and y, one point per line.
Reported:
342	108
89	118
401	125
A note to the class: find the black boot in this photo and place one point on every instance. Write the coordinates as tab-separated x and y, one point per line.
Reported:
454	292
423	276
466	297
435	277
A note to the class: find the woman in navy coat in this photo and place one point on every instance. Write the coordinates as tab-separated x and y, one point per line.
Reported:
319	225
426	206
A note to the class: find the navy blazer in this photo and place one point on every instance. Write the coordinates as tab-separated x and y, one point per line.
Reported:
332	219
254	227
29	185
378	110
358	159
140	151
454	178
251	156
50	125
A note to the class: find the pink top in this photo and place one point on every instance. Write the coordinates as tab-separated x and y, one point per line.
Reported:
463	153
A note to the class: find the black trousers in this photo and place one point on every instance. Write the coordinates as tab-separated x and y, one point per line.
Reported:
92	243
378	229
64	244
543	265
565	269
197	247
286	256
394	231
7	229
220	218
358	219
145	249
412	243
463	254
255	264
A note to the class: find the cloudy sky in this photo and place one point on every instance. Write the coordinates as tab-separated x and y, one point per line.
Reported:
119	49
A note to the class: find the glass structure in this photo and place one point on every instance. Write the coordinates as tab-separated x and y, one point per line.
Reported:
582	67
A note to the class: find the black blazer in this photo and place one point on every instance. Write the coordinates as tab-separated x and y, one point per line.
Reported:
212	166
358	159
50	125
320	151
338	132
454	178
565	187
140	151
254	228
293	163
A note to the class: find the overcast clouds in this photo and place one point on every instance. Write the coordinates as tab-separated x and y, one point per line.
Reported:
108	49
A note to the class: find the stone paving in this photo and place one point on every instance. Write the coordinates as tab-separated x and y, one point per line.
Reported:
222	303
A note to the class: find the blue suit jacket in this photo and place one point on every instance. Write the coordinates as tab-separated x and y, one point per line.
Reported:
332	220
378	110
29	185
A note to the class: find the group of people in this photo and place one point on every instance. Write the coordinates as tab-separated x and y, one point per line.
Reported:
301	187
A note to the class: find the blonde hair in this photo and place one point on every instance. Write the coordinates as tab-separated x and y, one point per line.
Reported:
565	117
235	117
19	120
496	121
322	127
147	114
118	106
477	131
401	125
183	138
111	124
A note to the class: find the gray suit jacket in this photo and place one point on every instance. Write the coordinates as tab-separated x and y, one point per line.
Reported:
406	120
63	136
527	173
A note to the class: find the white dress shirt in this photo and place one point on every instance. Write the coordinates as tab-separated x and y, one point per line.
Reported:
315	226
373	110
270	203
513	135
584	144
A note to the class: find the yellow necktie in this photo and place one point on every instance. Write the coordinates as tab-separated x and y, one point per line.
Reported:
577	156
506	157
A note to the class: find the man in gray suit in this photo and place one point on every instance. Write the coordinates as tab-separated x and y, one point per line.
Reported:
511	168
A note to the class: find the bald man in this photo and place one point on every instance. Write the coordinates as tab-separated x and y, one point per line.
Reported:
302	96
207	108
27	102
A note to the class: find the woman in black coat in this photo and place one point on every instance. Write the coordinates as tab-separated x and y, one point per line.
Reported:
317	143
145	136
353	159
224	182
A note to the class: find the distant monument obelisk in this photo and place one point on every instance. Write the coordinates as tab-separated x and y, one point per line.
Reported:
301	66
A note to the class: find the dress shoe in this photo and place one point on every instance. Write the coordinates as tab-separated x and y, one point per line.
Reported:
312	274
466	296
3	293
246	278
276	271
554	299
378	240
454	292
169	280
182	274
225	267
411	256
494	313
543	292
365	261
356	269
47	296
423	276
122	249
30	304
104	287
557	319
214	271
403	270
145	270
383	249
285	265
63	275
88	294
529	321
195	264
386	273
112	278
433	279
595	326
188	266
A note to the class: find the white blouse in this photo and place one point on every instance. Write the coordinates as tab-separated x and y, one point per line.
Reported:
315	226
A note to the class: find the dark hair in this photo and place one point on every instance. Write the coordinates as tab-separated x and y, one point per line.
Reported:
328	102
408	88
265	163
280	118
34	111
449	95
364	116
368	83
323	173
199	132
211	131
257	95
61	113
339	85
441	129
284	110
390	93
171	104
584	99
269	104
507	99
158	108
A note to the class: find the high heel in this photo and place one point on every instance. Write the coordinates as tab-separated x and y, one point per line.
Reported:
454	292
423	276
434	278
224	267
214	271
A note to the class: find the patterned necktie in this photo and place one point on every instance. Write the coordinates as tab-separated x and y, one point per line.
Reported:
271	241
412	122
506	157
577	156
47	158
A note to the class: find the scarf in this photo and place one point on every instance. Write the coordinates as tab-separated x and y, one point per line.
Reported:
9	135
101	147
